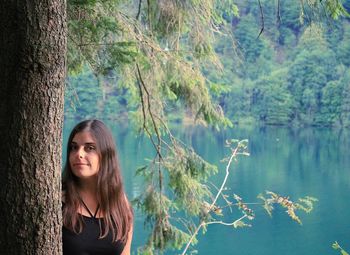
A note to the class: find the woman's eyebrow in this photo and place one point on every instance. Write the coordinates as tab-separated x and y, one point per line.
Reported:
87	143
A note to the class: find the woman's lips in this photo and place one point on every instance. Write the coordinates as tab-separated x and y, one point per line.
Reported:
80	164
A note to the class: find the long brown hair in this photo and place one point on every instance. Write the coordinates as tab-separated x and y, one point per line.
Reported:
117	212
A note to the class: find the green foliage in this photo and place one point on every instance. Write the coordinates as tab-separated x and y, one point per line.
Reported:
318	9
186	173
272	100
156	207
345	106
225	11
343	47
246	33
188	60
295	93
82	99
285	86
95	38
336	9
109	41
290	14
87	98
331	102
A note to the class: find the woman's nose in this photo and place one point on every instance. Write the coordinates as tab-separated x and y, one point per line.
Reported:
80	153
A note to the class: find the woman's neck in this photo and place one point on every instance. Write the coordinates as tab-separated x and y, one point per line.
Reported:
87	186
88	194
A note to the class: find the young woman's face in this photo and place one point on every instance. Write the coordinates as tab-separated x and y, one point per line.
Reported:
83	157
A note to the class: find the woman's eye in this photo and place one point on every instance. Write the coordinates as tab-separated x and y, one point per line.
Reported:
73	147
91	148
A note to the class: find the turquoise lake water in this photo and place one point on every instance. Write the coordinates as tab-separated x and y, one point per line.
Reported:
293	162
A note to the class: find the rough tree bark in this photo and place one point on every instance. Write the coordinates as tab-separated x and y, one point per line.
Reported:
32	77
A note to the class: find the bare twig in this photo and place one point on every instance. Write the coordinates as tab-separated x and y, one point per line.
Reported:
228	203
203	223
226	223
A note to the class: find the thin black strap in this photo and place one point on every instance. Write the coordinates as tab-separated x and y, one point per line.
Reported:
92	215
98	207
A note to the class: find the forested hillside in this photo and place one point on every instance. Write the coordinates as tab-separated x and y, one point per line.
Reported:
291	74
297	72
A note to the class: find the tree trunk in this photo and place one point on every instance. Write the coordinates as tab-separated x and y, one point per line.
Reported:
32	77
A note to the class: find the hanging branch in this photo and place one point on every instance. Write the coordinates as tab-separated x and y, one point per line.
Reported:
141	82
278	12
262	19
139	10
149	109
149	14
155	127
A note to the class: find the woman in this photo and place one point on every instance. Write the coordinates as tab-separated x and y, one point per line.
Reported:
97	217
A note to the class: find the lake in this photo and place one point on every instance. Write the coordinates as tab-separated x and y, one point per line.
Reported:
292	162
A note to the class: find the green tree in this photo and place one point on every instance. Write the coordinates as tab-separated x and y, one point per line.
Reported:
345	105
273	103
309	73
256	52
343	49
331	103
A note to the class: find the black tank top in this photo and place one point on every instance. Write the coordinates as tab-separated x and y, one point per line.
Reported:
88	241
